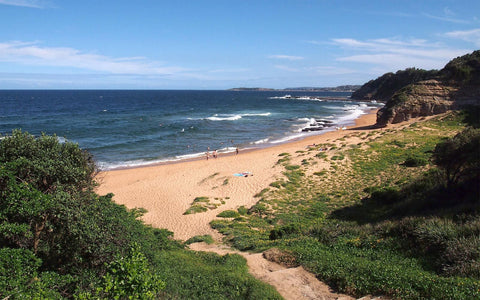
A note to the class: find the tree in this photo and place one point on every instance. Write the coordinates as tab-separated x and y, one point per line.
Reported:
130	278
45	186
46	163
51	214
459	157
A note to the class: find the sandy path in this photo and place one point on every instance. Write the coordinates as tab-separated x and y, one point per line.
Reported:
291	283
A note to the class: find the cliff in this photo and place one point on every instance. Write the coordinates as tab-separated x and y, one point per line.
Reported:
456	86
421	99
383	88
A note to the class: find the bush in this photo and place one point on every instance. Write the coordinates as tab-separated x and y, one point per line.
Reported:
242	210
458	157
385	195
47	164
202	275
292	167
283	231
415	161
200	238
195	209
228	214
54	225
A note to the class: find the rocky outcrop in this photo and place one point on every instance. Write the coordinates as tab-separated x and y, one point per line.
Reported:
424	98
383	88
456	86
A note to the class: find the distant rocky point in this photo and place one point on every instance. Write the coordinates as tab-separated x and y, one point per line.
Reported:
415	93
342	88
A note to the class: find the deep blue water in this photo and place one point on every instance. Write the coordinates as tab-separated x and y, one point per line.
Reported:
128	128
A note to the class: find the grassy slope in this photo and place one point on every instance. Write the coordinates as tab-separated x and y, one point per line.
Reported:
329	222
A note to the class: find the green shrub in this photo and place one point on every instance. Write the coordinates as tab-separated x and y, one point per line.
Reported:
278	233
458	157
276	184
385	195
130	277
195	209
415	161
292	167
228	214
242	210
400	144
200	238
203	275
201	199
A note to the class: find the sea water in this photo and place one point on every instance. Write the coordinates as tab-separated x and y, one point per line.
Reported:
124	128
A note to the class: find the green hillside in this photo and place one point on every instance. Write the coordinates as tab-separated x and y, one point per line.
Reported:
59	239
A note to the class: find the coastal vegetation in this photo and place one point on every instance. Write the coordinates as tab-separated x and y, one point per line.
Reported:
398	215
59	239
416	93
460	72
383	88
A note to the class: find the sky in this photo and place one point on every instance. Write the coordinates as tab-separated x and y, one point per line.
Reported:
221	44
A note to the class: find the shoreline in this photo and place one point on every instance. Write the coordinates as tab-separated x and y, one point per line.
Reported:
168	190
201	156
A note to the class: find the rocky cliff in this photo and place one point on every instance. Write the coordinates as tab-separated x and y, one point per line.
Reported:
456	86
383	88
424	98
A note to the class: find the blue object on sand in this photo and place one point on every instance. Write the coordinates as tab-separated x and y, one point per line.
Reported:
243	174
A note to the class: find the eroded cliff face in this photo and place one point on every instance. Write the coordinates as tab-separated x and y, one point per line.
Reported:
456	86
424	98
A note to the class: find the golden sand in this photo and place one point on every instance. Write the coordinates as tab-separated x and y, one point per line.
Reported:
167	191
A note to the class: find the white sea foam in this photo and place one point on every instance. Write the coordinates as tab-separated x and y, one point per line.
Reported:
216	117
234	117
288	138
259	115
262	141
124	164
141	163
307	123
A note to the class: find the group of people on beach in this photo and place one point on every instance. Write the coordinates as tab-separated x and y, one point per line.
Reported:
215	154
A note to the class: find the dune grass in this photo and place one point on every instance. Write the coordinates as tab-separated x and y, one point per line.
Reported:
375	222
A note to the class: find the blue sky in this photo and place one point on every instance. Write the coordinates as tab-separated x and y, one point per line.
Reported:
219	44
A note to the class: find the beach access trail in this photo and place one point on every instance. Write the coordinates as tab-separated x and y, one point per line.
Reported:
167	191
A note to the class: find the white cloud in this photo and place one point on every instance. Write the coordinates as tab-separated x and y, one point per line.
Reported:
287	57
34	55
395	54
447	18
472	36
328	70
24	3
318	70
287	68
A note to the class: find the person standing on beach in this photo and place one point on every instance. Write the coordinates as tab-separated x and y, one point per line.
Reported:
214	153
236	150
207	154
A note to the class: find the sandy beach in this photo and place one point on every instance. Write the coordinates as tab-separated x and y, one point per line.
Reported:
167	191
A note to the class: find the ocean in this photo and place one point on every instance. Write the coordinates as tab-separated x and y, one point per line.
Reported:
126	128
